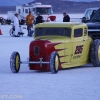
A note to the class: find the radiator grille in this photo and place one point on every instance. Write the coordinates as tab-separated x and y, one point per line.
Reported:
36	50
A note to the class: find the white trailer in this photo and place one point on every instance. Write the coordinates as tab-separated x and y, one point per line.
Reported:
44	10
10	14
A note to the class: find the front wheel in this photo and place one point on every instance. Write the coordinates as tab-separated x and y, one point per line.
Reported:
54	62
15	62
95	53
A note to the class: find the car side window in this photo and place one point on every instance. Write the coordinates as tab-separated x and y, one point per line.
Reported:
78	32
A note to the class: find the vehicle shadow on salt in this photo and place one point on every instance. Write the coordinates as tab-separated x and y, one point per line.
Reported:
35	71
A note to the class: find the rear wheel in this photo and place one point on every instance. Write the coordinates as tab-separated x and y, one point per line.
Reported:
54	62
95	53
15	62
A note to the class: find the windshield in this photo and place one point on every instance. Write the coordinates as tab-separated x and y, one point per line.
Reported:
96	17
44	11
53	31
88	13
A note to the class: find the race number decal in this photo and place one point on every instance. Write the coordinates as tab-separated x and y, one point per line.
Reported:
79	49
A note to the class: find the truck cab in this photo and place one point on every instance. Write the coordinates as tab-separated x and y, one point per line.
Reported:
23	11
88	13
44	10
94	25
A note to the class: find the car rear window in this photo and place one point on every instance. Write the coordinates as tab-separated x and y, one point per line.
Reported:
53	31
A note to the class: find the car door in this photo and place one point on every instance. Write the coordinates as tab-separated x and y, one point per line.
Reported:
66	58
87	41
78	45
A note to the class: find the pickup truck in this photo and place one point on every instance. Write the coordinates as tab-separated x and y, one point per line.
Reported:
88	14
59	45
94	25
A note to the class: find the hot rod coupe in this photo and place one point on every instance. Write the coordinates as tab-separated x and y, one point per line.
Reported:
59	45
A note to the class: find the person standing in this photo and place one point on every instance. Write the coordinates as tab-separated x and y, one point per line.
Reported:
39	19
29	22
16	24
66	17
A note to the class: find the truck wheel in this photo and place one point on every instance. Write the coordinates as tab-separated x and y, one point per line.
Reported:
95	53
15	62
54	62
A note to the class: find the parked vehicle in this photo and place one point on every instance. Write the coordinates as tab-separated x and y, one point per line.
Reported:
88	13
59	45
44	10
94	25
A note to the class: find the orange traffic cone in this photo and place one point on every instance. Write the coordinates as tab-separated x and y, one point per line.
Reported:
0	30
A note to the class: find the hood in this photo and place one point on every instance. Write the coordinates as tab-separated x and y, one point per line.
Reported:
93	25
42	48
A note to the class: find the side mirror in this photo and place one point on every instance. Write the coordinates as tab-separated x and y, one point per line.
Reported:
84	19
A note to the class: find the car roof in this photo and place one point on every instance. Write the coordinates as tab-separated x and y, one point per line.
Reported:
95	8
60	24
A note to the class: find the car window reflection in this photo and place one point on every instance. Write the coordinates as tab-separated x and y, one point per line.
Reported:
53	31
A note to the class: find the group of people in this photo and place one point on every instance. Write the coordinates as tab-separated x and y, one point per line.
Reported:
30	20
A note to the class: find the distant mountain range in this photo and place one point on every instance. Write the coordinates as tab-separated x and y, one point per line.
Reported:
59	6
20	2
13	2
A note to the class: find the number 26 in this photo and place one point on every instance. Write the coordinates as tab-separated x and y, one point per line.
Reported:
79	49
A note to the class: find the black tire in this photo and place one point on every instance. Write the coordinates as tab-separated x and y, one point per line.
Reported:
95	53
54	62
11	32
15	62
